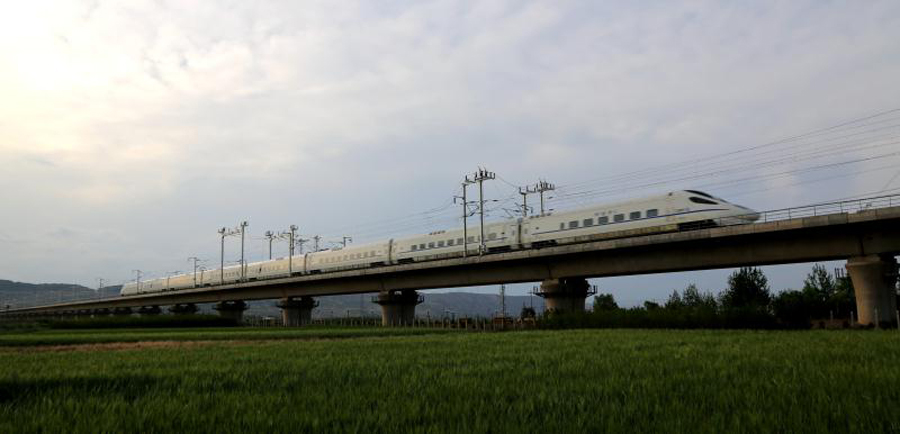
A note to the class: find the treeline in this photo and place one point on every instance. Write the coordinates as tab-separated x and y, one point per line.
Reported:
153	321
747	302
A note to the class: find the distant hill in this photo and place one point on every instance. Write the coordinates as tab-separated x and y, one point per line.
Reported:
436	305
17	293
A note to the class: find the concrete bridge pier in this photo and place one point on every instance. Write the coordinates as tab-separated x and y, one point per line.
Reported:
565	295
183	309
102	312
398	308
122	311
296	312
149	310
874	280
233	309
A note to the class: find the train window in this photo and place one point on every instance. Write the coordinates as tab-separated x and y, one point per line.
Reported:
372	253
699	193
430	245
652	213
588	222
449	242
702	200
619	218
492	236
471	239
422	246
634	215
440	244
602	220
459	241
562	226
573	224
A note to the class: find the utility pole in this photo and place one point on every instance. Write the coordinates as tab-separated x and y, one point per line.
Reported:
99	287
243	227
503	301
344	241
300	243
222	233
480	176
137	280
525	191
293	232
196	260
316	243
169	276
541	187
270	236
225	232
465	215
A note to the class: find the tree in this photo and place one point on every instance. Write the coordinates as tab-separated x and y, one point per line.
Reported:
819	284
843	300
651	305
604	302
694	299
691	298
527	312
792	308
748	287
674	302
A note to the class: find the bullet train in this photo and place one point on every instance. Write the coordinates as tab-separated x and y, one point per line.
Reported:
675	211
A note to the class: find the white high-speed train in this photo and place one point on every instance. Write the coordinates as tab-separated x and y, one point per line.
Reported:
676	211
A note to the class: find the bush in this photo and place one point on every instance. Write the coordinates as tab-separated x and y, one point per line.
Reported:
662	318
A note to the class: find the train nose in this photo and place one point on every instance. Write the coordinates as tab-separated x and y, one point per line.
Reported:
749	215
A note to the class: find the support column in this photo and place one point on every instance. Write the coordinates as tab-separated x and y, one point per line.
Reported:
874	280
296	312
103	311
183	309
149	310
398	308
122	311
565	295
233	309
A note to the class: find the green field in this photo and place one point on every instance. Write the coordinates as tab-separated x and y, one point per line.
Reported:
377	380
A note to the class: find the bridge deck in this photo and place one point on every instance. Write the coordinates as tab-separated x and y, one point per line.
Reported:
815	238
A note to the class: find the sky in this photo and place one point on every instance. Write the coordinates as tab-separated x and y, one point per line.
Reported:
131	131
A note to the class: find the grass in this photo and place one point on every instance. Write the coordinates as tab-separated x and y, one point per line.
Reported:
551	381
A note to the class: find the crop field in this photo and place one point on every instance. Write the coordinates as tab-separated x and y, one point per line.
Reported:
380	380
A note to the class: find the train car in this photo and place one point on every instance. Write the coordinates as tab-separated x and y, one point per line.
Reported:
679	210
280	267
346	258
129	288
502	236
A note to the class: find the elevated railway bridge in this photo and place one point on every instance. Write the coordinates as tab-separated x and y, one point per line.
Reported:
864	232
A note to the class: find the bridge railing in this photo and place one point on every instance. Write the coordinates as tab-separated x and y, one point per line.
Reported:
828	208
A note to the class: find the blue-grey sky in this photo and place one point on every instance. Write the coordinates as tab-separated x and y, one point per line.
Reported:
131	131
